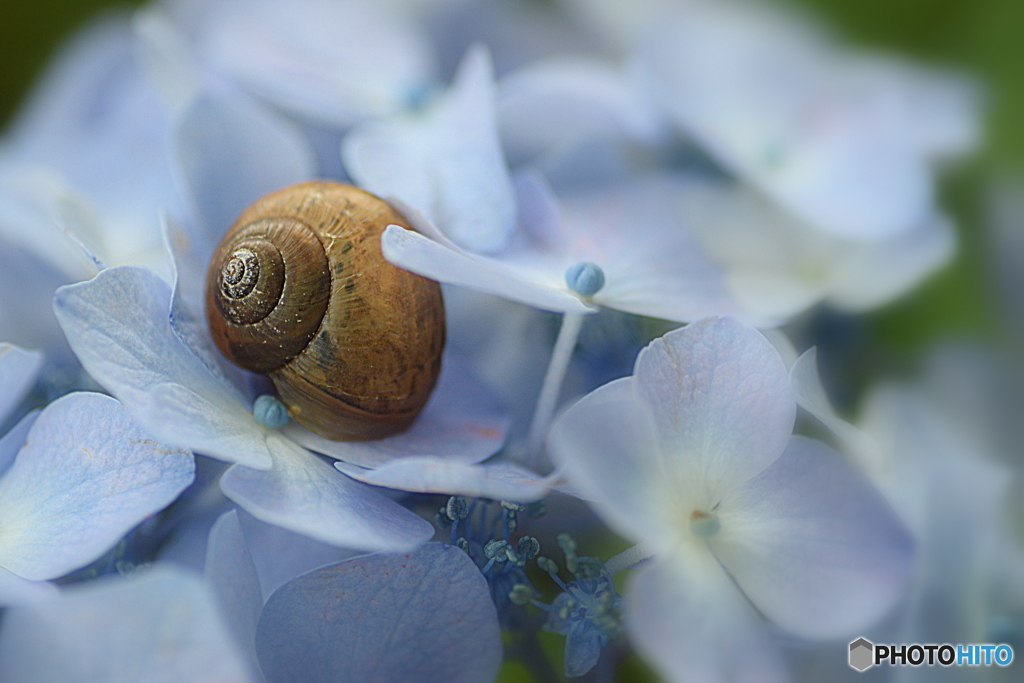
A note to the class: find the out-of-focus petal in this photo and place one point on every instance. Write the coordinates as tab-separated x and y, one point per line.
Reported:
719	394
231	151
813	545
333	63
13	440
447	162
231	578
86	475
117	324
160	625
306	495
686	616
426	615
462	422
15	590
18	370
500	481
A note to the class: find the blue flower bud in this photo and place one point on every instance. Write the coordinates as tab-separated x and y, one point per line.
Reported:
270	412
585	278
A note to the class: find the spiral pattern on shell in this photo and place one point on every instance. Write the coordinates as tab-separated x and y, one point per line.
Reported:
299	290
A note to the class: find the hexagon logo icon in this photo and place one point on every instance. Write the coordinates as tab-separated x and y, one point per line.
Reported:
862	654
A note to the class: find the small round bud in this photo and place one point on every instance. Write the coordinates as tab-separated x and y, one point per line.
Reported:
270	412
585	278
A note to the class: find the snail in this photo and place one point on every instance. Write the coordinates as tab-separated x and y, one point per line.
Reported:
298	290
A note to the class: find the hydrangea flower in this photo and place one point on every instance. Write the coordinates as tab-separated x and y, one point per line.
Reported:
74	478
119	325
693	457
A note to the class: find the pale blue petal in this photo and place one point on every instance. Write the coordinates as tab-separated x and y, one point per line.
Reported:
424	616
880	272
232	581
414	252
333	62
12	441
158	626
500	481
810	395
306	495
18	370
607	446
462	422
446	162
15	590
719	393
582	648
813	545
686	617
118	326
231	152
86	475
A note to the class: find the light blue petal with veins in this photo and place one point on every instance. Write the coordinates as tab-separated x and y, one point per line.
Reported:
86	475
418	474
118	325
424	616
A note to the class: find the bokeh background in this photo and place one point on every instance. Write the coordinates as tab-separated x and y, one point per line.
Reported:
981	37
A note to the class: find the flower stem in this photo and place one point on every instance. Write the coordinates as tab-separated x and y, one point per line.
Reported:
627	559
568	334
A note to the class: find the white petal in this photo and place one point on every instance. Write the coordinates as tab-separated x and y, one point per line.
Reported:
501	481
118	326
461	422
686	616
446	162
607	446
232	581
12	441
18	370
813	545
231	151
878	273
86	475
304	494
720	396
416	253
158	626
15	590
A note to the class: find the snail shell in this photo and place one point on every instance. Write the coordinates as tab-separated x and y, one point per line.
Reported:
298	289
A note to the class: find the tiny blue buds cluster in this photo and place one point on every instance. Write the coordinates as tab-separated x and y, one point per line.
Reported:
483	529
588	611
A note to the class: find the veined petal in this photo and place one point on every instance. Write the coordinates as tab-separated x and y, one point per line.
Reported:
720	396
813	545
18	370
86	475
304	494
118	325
687	617
425	615
446	162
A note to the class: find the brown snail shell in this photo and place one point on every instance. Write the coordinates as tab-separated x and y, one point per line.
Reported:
298	289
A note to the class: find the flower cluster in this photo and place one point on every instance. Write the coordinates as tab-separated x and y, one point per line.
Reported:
624	203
